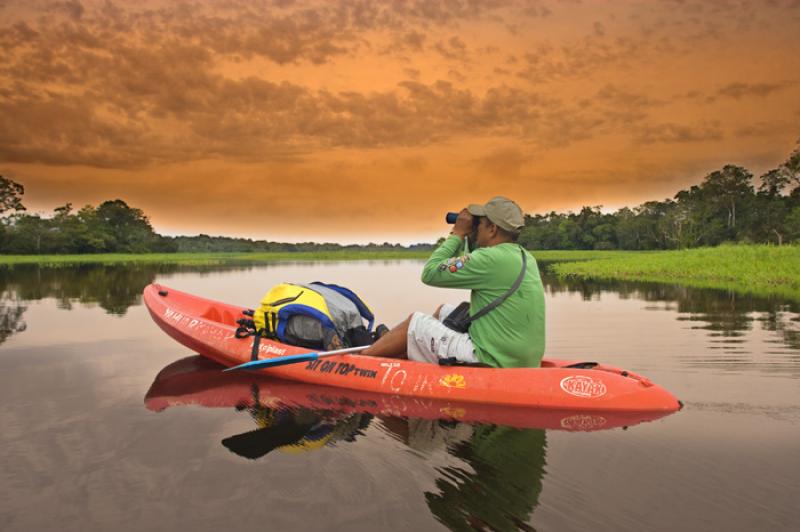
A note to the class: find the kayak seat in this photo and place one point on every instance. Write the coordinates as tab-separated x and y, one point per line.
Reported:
453	361
213	313
582	365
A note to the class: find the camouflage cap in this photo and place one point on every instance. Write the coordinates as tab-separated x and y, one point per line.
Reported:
502	212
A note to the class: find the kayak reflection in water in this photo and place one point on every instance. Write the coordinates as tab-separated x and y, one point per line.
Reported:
499	484
503	324
496	488
295	430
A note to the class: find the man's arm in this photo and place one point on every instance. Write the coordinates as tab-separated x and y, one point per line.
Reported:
446	269
451	247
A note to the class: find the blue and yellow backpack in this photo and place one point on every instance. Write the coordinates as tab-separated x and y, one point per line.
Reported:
315	315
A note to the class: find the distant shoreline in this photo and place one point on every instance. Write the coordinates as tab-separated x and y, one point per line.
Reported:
212	258
206	258
748	269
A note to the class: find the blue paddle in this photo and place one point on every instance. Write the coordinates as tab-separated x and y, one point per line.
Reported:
294	359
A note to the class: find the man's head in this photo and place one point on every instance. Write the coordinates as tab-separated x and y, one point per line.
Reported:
499	221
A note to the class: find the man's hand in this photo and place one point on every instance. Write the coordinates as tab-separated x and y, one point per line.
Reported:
463	226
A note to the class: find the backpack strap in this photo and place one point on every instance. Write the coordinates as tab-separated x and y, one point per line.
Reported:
256	345
248	328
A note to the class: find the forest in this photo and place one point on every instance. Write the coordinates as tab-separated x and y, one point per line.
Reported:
727	206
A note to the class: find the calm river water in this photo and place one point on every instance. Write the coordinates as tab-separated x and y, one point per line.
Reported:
86	443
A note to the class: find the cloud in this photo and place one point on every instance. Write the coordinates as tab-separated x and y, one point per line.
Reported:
412	73
625	107
60	130
313	32
190	117
599	29
77	99
176	109
582	57
739	90
73	8
134	88
456	76
453	49
504	163
650	33
614	95
670	133
762	130
126	86
536	9
412	40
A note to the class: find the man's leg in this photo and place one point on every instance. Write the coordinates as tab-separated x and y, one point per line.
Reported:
393	344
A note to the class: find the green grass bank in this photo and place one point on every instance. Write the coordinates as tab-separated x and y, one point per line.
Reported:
202	259
751	269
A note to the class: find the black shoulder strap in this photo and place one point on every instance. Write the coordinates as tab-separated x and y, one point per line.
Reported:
499	301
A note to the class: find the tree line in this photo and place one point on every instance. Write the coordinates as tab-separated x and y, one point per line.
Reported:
115	227
111	227
726	206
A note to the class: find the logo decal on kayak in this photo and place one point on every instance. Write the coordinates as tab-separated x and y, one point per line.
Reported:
453	380
583	422
583	386
453	412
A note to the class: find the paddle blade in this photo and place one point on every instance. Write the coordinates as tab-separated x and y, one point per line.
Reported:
273	362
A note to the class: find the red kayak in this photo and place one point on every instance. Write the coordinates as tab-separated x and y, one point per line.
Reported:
207	327
198	381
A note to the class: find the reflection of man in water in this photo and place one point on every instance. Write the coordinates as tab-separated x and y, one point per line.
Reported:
497	488
502	488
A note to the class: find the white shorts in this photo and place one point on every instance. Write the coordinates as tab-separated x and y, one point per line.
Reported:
429	340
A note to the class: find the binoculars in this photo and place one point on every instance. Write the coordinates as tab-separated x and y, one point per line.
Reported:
451	218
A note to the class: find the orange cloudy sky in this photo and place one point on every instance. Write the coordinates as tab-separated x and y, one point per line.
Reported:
365	120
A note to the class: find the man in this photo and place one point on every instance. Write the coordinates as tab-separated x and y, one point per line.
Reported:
512	334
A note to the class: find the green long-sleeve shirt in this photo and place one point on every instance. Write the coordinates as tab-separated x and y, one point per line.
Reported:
511	335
